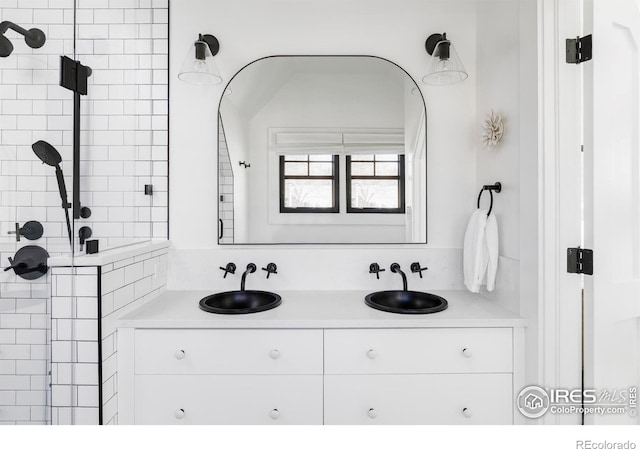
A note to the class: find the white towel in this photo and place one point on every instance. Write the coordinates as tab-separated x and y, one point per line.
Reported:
480	254
491	246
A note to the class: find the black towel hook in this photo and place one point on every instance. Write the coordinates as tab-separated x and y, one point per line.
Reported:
497	187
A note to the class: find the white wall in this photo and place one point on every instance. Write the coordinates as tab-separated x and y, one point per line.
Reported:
507	80
498	47
395	31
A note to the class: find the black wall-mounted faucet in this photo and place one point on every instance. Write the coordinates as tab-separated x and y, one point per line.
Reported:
251	268
395	268
374	268
272	268
230	268
416	268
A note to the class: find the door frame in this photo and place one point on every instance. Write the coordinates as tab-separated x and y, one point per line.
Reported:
559	326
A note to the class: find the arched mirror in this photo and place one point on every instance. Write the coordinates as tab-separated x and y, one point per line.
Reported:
322	149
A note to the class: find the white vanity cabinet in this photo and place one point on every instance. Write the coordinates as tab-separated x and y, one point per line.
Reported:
321	357
418	376
206	376
316	376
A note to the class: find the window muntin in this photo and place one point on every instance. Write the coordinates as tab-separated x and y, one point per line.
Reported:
309	183
375	183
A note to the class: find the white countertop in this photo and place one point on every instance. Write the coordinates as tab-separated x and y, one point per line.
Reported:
318	309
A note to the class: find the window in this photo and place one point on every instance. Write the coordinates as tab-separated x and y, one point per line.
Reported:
375	183
309	183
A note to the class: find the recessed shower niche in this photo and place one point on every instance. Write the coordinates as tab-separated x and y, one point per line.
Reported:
322	149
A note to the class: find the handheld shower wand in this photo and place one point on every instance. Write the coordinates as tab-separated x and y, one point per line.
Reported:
34	37
50	156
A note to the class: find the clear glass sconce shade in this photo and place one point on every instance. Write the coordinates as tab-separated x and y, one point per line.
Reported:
445	66
199	67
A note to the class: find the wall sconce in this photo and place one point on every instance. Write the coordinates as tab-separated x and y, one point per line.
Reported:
445	66
198	66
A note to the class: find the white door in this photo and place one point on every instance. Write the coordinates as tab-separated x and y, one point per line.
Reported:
612	200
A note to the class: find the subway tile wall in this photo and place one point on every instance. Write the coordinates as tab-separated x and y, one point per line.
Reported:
225	186
74	345
78	295
125	118
32	107
124	147
125	285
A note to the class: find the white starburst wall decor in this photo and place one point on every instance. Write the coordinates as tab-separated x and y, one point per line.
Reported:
492	130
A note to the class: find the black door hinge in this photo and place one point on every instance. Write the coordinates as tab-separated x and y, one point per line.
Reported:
579	50
580	261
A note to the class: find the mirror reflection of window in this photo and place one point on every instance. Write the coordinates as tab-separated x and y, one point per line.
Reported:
375	183
337	147
309	183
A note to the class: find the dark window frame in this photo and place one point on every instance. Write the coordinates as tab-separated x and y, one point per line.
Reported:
401	178
335	186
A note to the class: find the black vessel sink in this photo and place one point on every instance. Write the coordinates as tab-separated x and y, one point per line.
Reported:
402	301
240	302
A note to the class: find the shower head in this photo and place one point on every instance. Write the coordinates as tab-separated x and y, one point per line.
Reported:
50	156
6	47
47	153
34	38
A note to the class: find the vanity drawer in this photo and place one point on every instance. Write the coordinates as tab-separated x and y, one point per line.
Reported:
418	399
226	399
408	351
228	351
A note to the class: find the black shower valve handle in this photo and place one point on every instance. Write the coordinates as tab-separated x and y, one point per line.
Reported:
374	268
415	268
17	234
32	230
13	265
271	268
230	268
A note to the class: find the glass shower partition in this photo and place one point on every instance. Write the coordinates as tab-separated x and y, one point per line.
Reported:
35	159
50	337
122	162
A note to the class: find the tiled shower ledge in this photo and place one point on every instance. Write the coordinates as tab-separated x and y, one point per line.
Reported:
109	255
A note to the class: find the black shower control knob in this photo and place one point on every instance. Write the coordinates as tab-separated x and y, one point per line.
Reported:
32	230
84	233
85	212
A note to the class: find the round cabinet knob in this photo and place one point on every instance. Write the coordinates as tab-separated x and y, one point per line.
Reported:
275	354
467	353
372	354
466	413
372	413
179	354
180	413
275	413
